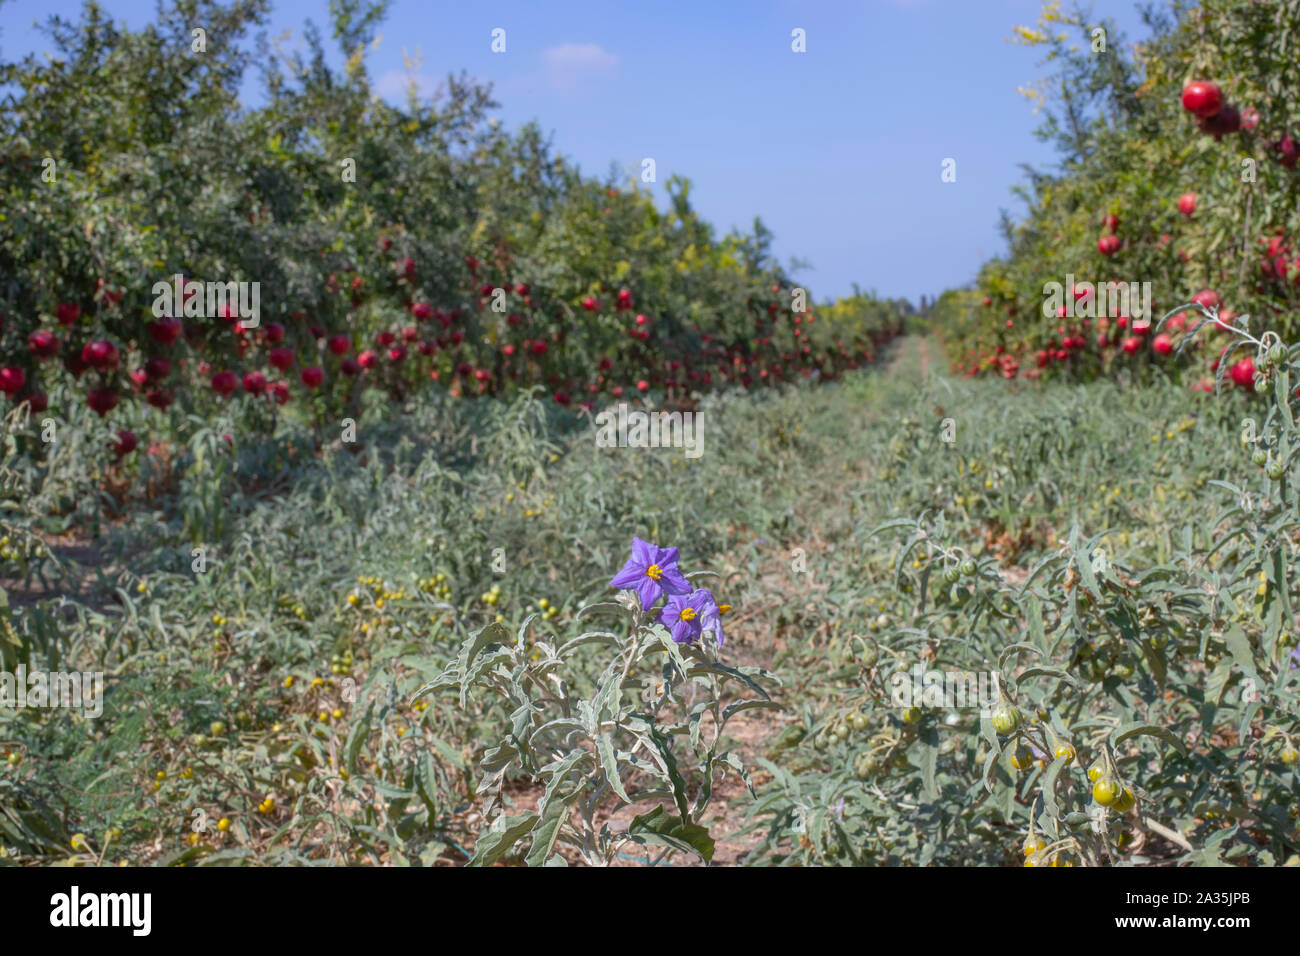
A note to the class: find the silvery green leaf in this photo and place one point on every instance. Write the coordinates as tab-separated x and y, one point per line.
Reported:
1139	728
494	843
609	763
660	827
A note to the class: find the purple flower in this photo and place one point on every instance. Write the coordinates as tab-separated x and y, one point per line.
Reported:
711	616
683	616
651	572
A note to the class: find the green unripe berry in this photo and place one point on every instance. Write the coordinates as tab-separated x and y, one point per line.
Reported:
1006	719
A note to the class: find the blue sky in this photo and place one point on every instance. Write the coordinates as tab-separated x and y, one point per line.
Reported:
838	149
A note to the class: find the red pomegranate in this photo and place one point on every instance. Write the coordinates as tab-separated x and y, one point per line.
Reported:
224	383
126	442
1202	99
43	344
67	313
12	380
165	331
102	400
255	383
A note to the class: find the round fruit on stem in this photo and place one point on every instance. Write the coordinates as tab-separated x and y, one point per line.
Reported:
1202	99
1006	719
1107	791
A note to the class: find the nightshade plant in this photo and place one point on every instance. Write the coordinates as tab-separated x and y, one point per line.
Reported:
639	736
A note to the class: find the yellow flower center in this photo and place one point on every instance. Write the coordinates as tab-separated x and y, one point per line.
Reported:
653	572
724	608
689	614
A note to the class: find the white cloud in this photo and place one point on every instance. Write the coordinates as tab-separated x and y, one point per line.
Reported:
568	64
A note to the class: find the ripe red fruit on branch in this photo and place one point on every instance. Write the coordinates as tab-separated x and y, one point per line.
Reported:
1226	121
12	380
67	313
43	343
1162	344
1187	203
281	358
224	383
274	333
590	304
101	400
126	442
350	366
255	383
1207	298
422	311
1286	151
165	331
1131	344
100	355
1243	373
312	376
1202	98
1110	221
366	359
1108	245
340	344
156	369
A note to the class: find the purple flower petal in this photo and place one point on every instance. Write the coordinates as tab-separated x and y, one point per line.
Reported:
643	552
648	591
672	580
629	577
